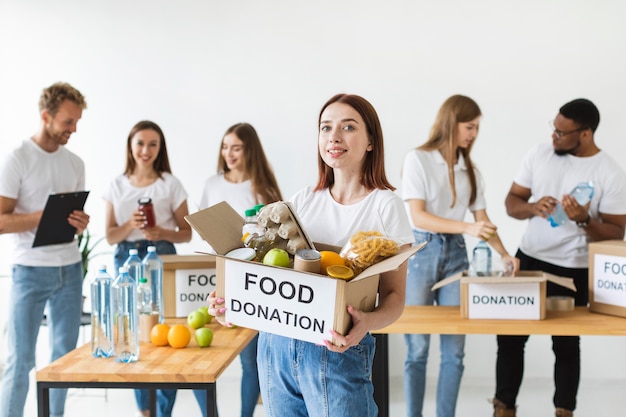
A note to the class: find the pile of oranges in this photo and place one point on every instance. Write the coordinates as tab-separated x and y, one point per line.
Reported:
176	336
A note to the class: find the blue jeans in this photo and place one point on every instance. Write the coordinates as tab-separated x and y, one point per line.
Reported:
165	397
443	256
33	287
300	379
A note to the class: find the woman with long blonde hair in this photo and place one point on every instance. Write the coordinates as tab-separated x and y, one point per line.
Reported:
439	185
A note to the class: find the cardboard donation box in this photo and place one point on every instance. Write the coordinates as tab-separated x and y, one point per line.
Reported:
283	301
607	277
187	282
522	297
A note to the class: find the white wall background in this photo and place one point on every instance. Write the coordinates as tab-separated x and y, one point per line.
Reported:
196	67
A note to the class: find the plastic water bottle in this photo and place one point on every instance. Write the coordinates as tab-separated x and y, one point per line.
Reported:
250	222
125	318
144	296
133	263
481	260
101	314
153	271
583	193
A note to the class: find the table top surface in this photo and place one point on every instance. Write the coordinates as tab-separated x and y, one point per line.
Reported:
447	320
156	363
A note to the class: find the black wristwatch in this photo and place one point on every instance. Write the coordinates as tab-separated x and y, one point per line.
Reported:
585	222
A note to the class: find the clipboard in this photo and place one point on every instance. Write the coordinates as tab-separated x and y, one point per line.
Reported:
53	227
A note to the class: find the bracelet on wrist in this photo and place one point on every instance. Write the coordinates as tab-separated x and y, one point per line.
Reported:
585	222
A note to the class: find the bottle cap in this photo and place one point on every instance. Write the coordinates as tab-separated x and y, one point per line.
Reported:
339	271
151	248
133	251
123	269
244	238
143	280
250	212
144	200
258	207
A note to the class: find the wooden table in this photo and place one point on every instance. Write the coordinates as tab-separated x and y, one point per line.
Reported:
447	320
158	367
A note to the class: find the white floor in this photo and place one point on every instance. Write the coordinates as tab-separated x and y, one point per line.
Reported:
596	399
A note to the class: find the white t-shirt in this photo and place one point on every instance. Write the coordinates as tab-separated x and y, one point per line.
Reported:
425	177
167	194
237	194
548	174
326	221
29	174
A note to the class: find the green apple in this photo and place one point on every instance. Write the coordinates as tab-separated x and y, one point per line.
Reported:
204	336
205	309
197	319
276	257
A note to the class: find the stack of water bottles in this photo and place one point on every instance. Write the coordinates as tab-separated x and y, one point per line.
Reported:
124	307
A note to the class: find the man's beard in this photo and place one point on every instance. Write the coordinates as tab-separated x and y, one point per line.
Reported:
571	151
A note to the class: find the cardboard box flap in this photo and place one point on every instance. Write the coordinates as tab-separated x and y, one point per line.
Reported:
529	276
562	281
391	263
219	225
447	281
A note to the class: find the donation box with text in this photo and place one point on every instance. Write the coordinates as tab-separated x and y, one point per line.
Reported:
187	282
283	301
522	297
607	277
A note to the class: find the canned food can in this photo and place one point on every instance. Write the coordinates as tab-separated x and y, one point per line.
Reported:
307	260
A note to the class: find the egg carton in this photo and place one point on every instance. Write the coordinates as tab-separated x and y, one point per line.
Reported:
283	226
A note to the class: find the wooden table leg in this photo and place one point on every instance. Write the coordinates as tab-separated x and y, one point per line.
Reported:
380	374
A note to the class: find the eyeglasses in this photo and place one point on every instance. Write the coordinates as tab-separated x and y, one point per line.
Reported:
559	134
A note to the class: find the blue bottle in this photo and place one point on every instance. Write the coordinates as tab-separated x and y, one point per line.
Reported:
133	263
583	193
153	271
101	314
481	260
125	318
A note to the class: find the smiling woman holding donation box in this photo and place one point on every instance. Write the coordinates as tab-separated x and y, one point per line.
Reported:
352	194
244	179
147	174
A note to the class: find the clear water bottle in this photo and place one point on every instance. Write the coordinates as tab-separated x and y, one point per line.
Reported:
125	317
133	263
153	271
480	266
144	296
583	193
101	314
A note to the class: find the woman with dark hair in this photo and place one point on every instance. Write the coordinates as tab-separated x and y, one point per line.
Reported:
147	174
352	194
439	185
244	179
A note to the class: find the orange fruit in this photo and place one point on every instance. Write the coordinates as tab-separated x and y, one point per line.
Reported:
329	258
178	336
158	334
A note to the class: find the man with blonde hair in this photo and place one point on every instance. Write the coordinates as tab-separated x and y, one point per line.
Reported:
50	274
